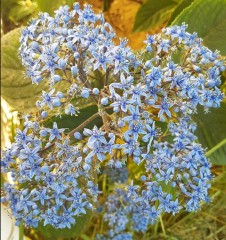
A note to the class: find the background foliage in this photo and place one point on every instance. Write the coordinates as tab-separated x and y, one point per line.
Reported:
134	19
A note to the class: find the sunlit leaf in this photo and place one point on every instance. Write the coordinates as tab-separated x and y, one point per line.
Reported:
183	5
153	13
22	10
51	6
17	90
208	19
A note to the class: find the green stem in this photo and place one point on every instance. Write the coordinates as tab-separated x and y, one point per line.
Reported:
212	150
21	231
156	228
162	226
83	78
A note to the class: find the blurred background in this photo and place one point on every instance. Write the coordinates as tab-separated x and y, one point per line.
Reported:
133	19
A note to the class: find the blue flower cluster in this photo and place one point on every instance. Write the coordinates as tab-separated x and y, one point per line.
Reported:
152	94
62	50
176	172
46	184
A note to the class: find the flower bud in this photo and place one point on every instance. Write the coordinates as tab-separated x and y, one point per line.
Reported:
104	101
74	70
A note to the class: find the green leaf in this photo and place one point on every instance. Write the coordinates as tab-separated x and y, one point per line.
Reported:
84	237
6	5
51	6
184	4
211	130
51	233
208	19
223	85
22	11
106	4
17	90
153	13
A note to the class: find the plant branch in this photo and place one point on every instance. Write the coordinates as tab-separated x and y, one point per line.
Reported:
83	77
107	75
77	129
81	126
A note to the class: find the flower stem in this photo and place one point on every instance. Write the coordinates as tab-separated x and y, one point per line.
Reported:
162	225
21	231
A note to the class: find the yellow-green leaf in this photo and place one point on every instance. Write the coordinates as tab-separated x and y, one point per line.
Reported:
17	90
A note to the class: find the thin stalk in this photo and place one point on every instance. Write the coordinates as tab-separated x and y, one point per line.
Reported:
162	226
83	78
107	76
215	233
212	150
156	228
216	219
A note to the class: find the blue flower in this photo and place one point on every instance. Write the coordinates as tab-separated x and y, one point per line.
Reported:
41	195
150	134
101	60
48	98
154	78
22	137
25	204
135	129
163	45
121	102
137	92
174	206
64	148
55	133
71	110
96	135
135	114
125	83
164	109
132	190
49	217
